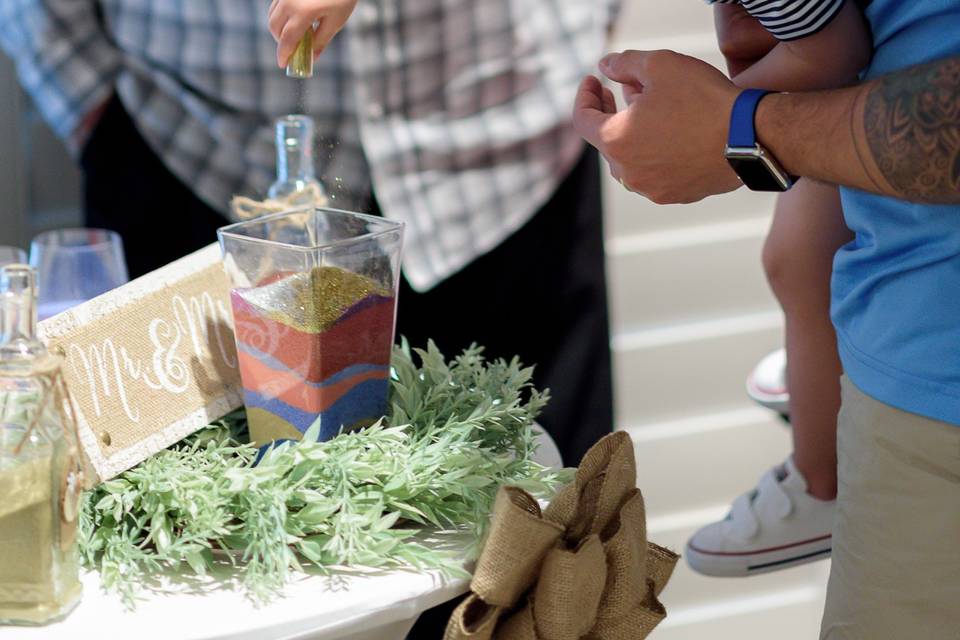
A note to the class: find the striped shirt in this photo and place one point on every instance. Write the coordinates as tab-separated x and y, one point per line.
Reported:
790	19
455	112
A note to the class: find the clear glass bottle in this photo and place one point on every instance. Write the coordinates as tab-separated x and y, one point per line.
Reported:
39	479
295	170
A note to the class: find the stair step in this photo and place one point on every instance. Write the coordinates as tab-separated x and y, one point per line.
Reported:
690	369
681	275
785	615
628	213
706	461
688	589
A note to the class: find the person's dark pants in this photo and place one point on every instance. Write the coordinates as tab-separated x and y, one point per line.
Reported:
127	188
540	295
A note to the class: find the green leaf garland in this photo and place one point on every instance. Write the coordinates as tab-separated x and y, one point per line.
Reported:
455	433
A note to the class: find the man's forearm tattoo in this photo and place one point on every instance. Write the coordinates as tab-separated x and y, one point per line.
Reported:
912	122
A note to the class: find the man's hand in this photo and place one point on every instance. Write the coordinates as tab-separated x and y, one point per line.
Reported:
668	143
290	19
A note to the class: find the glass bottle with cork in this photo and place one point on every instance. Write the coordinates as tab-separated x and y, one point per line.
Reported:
294	137
296	185
296	182
40	472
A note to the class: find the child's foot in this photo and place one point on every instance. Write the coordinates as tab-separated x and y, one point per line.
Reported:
774	526
767	384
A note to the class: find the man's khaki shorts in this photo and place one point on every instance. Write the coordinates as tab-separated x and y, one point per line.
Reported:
896	541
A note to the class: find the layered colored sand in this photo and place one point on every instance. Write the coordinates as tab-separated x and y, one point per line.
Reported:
313	345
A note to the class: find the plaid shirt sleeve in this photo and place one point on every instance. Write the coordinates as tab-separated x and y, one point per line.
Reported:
614	8
63	56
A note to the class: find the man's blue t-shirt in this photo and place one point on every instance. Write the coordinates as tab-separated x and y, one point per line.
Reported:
896	287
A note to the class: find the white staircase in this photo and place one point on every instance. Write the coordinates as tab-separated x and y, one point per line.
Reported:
691	315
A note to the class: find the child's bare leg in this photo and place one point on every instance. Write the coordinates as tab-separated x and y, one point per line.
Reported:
807	230
759	534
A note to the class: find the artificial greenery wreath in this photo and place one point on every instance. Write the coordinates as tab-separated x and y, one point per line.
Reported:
456	431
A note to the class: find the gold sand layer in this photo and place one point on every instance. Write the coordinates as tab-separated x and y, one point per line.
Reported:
313	302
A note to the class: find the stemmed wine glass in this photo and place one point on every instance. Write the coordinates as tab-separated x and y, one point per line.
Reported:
12	255
75	265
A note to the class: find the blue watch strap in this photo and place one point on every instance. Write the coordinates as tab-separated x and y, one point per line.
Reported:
742	132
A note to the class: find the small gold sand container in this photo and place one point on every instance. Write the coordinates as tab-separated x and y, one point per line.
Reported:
300	64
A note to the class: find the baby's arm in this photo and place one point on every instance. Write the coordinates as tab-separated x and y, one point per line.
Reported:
830	58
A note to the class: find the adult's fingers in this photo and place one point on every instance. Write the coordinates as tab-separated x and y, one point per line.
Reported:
322	35
290	38
630	92
588	112
615	172
589	94
609	101
328	27
628	67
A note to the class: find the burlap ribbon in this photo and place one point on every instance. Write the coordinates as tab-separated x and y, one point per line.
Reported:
581	569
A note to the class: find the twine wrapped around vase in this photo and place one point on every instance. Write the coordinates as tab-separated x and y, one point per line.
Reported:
244	208
583	568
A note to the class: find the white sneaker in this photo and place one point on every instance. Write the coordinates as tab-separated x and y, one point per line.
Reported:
767	383
775	526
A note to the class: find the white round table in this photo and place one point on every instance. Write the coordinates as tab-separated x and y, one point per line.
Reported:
352	604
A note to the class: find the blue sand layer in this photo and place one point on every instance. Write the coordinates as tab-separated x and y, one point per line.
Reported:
366	401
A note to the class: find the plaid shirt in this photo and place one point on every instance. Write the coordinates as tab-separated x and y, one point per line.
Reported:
455	112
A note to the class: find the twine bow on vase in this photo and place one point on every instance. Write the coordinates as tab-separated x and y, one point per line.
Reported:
583	568
244	208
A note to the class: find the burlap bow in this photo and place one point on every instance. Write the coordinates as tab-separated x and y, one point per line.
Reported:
581	569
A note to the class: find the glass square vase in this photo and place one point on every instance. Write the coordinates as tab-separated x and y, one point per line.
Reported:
313	294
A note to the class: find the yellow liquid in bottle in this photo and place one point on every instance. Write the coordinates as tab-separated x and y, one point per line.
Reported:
38	559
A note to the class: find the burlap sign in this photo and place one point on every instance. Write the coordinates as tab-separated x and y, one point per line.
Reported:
150	362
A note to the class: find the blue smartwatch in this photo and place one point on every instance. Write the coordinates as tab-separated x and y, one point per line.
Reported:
756	167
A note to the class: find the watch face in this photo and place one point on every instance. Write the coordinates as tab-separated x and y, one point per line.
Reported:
756	175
